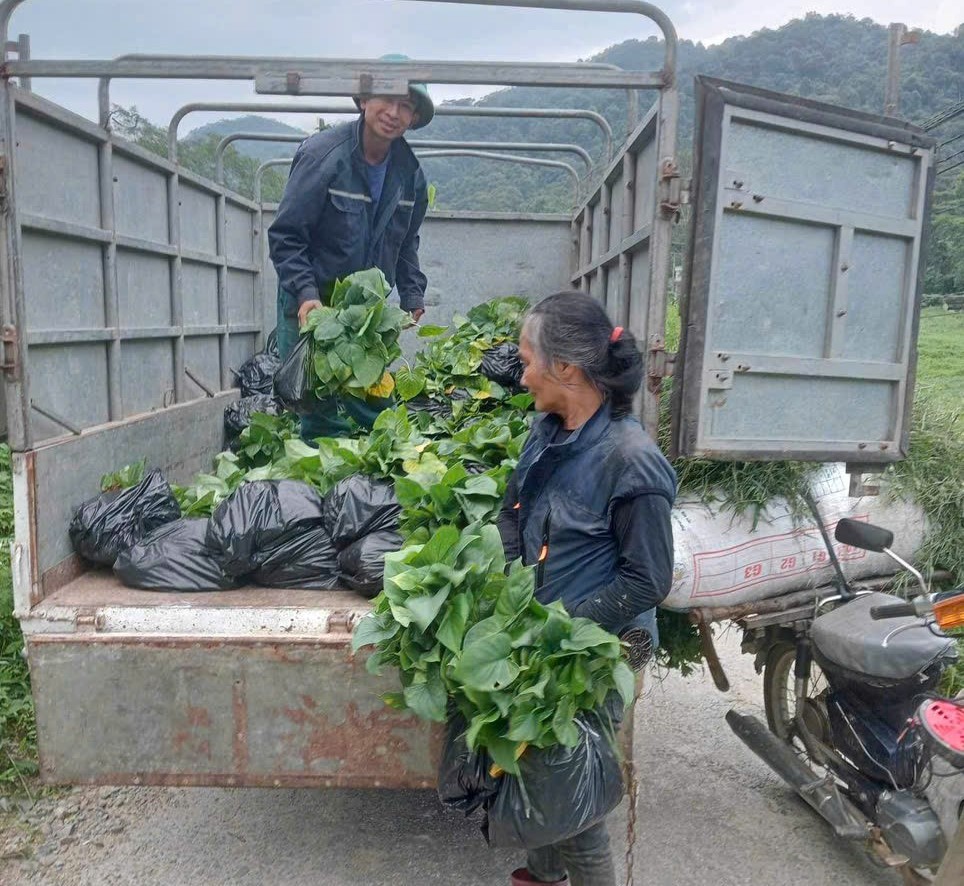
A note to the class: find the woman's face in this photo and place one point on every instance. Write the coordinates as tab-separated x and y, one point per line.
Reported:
544	385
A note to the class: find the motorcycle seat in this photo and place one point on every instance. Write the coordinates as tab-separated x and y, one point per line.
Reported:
849	637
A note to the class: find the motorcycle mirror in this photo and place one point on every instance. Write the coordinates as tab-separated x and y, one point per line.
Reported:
863	535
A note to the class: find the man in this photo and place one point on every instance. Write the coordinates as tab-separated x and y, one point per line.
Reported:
355	199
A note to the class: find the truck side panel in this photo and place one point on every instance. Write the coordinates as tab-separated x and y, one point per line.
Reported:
116	295
51	481
192	711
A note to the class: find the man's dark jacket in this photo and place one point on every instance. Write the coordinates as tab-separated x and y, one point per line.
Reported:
596	509
328	227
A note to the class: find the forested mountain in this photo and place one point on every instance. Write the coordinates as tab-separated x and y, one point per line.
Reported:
260	151
836	59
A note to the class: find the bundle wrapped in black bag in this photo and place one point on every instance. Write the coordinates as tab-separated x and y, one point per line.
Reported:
174	557
358	506
271	345
292	382
502	365
562	791
362	563
424	403
249	525
112	522
464	779
237	415
308	561
256	375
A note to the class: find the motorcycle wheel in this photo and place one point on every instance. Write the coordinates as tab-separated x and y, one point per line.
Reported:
779	700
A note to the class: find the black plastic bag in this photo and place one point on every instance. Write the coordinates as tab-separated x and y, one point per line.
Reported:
562	791
112	522
464	782
174	557
292	385
362	563
424	403
271	345
308	561
359	506
248	526
237	415
502	365
256	375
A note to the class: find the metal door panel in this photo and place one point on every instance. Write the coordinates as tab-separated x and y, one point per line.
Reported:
803	292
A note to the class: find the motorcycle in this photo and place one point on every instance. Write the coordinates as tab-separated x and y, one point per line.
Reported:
854	722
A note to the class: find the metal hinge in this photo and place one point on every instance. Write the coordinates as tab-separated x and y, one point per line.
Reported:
662	363
90	621
10	362
674	192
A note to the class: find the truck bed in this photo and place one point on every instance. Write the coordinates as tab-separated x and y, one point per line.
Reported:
100	587
96	601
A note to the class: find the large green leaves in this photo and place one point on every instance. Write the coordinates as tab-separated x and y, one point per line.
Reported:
428	698
355	337
485	663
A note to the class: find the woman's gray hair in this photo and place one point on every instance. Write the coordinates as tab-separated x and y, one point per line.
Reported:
572	327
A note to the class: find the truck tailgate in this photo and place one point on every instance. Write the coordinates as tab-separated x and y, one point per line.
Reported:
247	687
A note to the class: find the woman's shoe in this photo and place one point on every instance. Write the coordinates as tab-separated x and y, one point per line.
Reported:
521	877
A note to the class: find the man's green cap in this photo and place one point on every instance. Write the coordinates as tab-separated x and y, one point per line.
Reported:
419	92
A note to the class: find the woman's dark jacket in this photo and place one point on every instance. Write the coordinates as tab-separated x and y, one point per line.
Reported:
593	513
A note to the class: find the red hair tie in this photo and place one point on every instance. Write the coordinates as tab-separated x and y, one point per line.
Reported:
618	331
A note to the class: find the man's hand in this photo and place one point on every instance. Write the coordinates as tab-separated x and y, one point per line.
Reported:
305	309
417	314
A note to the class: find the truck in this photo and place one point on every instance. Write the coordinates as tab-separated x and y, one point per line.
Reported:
131	287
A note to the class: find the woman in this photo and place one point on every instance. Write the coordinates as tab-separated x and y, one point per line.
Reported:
589	503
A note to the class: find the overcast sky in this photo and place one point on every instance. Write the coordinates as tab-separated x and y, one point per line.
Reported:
369	28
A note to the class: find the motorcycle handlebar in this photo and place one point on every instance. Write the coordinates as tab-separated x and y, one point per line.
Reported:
892	610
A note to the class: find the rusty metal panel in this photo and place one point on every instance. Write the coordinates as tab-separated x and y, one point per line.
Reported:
220	712
803	298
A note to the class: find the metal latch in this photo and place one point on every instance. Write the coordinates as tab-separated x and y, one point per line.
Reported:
341	622
90	621
674	192
661	363
864	479
11	351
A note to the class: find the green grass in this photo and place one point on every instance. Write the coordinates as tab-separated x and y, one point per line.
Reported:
18	731
940	366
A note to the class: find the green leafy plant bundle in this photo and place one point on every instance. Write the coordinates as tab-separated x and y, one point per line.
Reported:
463	629
355	338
